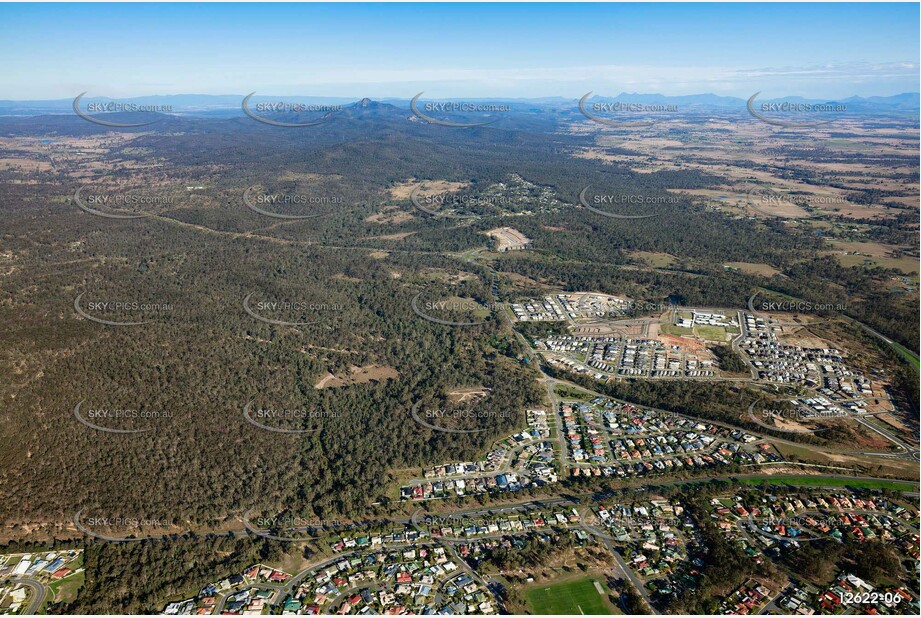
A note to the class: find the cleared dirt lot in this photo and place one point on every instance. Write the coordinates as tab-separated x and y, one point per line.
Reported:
508	238
358	375
403	190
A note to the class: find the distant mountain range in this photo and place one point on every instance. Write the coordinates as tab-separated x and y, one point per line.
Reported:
192	104
905	101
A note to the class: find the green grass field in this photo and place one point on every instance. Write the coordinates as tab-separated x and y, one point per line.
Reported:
657	260
569	393
573	597
677	331
67	588
799	481
711	333
910	356
907	265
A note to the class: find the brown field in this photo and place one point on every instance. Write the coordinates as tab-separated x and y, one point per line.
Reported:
470	394
289	175
745	154
98	143
805	339
906	265
871	465
598	155
789	424
764	270
872	249
786	210
25	164
399	236
909	201
876	254
892	421
358	375
519	282
293	562
866	438
856	211
652	258
448	277
390	214
402	191
684	342
508	238
880	395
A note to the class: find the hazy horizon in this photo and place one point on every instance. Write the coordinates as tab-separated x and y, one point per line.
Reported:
406	98
458	50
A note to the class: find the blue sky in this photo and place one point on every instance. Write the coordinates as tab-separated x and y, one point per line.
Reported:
458	50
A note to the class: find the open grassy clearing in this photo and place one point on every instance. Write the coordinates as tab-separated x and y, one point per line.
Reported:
714	333
656	260
910	356
818	481
751	268
65	590
579	596
871	466
904	264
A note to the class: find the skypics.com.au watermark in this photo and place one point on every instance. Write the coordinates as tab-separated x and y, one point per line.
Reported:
105	528
100	418
265	310
270	418
796	528
441	527
455	107
600	203
632	108
119	308
295	108
261	111
799	415
800	306
437	418
625	114
795	415
440	204
635	307
768	197
429	310
617	527
458	305
649	416
114	107
289	528
794	114
91	202
260	203
632	199
475	108
762	199
793	306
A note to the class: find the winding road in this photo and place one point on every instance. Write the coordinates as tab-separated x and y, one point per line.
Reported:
39	594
